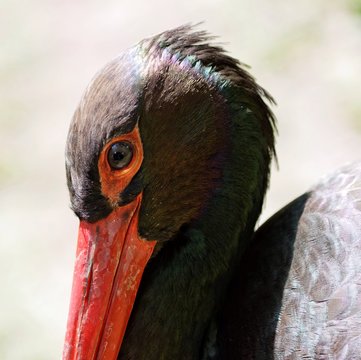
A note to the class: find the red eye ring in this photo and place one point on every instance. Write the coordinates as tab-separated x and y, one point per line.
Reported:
115	179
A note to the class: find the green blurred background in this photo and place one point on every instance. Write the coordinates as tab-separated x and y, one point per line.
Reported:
306	53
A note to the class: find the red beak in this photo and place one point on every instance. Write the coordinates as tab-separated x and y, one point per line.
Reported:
110	261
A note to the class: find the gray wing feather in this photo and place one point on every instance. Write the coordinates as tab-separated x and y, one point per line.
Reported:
320	316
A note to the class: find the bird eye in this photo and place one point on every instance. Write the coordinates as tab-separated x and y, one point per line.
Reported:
120	154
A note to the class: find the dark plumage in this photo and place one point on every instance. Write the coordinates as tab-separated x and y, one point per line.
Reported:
208	139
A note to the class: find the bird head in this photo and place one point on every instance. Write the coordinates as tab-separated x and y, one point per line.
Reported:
171	133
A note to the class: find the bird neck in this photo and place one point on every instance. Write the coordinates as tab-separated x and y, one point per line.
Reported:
184	287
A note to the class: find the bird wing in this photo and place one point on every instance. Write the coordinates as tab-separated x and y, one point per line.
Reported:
321	309
298	293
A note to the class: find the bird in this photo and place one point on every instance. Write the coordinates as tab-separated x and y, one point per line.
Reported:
167	162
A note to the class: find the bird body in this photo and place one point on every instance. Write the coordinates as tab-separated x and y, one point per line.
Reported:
323	290
167	161
297	293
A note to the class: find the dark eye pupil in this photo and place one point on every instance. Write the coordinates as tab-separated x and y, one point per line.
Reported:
120	154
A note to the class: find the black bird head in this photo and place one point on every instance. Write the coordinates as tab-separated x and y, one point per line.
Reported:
171	138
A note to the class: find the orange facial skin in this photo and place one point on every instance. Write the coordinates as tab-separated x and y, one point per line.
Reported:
113	182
